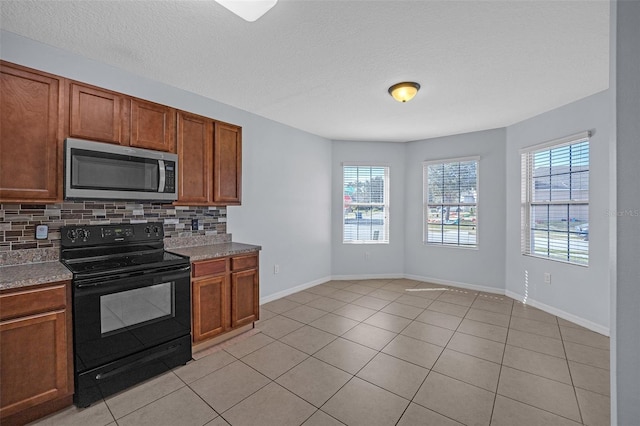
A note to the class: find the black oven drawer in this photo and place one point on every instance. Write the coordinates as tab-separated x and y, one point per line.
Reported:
115	376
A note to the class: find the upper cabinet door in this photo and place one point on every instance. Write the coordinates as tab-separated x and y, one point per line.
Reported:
195	139
153	126
227	164
97	115
30	107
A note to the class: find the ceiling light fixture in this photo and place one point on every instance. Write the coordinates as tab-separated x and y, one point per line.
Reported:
249	10
405	91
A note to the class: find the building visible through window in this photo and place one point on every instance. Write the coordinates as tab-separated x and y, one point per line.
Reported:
451	202
555	200
365	204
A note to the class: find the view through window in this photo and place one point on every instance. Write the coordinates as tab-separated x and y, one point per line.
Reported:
365	204
451	202
555	201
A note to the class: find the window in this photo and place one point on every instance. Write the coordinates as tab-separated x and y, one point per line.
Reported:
365	204
555	200
451	202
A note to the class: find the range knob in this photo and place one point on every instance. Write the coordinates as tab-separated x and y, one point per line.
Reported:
156	229
147	230
83	234
72	234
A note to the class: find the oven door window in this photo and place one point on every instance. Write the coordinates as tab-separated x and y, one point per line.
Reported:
135	308
118	317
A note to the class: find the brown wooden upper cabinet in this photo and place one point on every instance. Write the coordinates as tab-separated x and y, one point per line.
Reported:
97	114
195	144
227	164
101	115
39	110
30	155
153	126
210	161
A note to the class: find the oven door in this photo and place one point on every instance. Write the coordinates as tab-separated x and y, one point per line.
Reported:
117	317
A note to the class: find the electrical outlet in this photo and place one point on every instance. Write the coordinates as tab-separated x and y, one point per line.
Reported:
547	278
276	269
194	224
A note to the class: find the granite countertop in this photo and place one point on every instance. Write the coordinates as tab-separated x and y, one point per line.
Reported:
28	274
211	251
16	276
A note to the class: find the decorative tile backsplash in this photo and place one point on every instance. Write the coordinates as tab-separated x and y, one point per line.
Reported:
18	221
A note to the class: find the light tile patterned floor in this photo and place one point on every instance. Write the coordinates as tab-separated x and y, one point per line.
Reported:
372	353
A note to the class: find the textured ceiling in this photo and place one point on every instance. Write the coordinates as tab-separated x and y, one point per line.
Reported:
325	66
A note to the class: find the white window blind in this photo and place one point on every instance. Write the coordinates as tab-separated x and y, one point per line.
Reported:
555	200
451	202
365	204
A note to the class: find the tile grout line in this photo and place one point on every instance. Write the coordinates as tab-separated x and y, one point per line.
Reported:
368	362
355	375
468	308
477	297
423	309
399	333
434	364
495	396
573	386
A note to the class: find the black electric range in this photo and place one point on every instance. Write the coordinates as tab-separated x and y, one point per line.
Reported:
131	306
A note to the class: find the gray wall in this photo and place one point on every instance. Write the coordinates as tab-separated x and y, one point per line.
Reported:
481	268
627	340
286	178
383	260
292	178
576	293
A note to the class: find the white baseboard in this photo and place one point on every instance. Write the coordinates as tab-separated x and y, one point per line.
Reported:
284	293
367	277
475	287
560	313
549	309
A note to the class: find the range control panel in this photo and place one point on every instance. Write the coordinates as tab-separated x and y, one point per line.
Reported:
88	235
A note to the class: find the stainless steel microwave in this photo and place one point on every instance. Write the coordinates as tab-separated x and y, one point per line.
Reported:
96	170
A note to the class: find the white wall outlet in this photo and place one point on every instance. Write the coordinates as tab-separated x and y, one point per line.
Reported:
276	269
42	232
547	277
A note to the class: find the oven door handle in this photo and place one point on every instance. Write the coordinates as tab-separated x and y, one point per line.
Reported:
169	272
137	363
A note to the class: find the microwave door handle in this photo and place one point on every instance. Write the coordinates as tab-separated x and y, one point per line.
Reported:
161	176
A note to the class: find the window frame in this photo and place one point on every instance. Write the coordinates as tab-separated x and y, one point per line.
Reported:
385	204
426	204
527	202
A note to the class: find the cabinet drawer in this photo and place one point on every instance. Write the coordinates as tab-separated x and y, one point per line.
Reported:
32	301
244	262
209	267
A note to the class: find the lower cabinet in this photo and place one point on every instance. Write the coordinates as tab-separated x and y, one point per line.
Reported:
36	362
210	307
225	295
244	297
